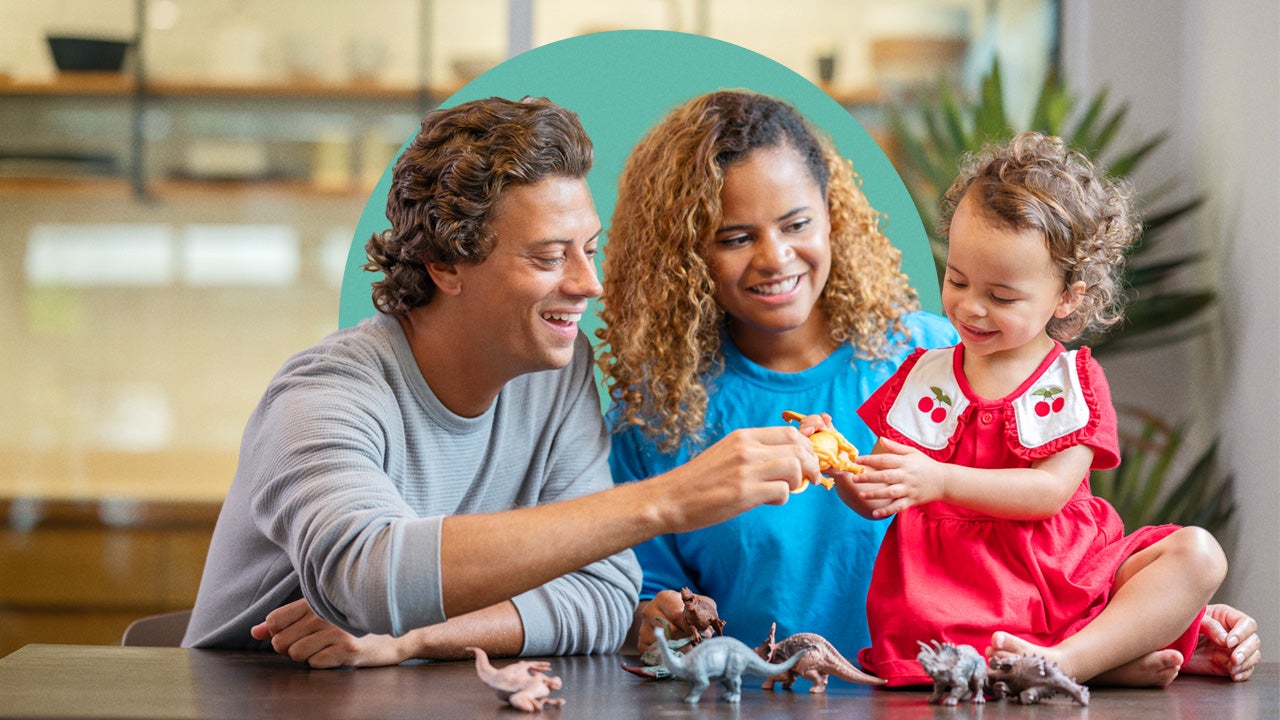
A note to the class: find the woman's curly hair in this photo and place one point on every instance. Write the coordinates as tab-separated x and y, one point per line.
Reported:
661	340
448	182
1036	182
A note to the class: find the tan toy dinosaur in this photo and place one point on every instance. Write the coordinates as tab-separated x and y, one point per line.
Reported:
821	660
834	452
521	684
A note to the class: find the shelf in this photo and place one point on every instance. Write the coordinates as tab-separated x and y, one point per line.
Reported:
49	185
71	84
851	96
177	187
292	89
117	84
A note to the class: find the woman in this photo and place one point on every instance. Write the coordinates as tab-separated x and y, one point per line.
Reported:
746	274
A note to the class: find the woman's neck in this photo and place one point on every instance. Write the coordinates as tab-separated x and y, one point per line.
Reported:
788	351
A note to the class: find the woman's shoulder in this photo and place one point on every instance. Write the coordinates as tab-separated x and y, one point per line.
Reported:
929	330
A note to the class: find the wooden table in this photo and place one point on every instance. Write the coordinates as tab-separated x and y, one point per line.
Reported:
90	681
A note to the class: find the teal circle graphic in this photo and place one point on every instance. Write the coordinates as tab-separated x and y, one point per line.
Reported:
622	82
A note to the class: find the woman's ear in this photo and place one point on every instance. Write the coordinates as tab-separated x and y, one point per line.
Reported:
445	276
1071	299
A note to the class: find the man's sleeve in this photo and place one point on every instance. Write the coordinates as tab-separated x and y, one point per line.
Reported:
589	610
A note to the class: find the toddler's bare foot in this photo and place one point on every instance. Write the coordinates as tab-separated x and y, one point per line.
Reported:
1003	643
1155	669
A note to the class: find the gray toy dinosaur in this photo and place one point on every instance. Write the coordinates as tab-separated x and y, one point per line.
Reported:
958	672
1031	678
822	660
719	658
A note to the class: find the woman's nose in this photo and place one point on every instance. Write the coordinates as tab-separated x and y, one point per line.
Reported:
772	252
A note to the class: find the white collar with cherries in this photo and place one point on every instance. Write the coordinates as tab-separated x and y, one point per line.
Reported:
931	403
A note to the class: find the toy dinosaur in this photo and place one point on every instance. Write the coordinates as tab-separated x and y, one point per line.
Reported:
683	614
1031	678
719	658
700	615
834	452
821	660
521	684
958	672
651	666
685	617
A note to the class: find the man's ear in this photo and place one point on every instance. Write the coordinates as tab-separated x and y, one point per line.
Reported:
1071	299
445	276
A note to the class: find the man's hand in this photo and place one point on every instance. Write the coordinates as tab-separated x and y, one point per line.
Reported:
743	470
1229	645
295	630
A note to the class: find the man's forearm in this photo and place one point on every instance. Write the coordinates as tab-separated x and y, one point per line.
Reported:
495	629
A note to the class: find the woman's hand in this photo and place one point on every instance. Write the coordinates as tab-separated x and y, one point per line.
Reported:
897	477
1229	645
295	630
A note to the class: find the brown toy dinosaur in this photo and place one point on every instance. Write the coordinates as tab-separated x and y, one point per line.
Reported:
521	684
687	614
834	452
820	660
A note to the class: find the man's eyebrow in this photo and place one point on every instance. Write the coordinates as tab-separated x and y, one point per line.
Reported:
566	241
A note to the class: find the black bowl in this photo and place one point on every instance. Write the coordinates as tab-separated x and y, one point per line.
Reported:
86	53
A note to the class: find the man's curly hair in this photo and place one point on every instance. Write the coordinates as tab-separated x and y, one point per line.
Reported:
1036	182
447	184
661	340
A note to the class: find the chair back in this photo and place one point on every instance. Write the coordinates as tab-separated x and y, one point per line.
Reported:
163	630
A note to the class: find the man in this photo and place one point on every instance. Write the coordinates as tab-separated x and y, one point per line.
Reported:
439	473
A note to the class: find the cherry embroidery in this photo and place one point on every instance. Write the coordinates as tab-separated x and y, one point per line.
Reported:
1052	402
933	406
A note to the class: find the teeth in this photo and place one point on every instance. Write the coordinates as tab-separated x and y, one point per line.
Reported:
563	317
776	288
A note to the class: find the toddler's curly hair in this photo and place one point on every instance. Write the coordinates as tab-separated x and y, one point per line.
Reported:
1036	182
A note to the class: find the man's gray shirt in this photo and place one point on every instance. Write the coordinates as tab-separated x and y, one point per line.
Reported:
347	468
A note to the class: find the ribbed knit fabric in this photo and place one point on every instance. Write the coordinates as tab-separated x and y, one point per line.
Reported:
350	463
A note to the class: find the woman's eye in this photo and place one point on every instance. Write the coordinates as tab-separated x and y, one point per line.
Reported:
733	240
798	225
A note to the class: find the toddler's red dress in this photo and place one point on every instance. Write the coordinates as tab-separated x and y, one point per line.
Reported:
954	575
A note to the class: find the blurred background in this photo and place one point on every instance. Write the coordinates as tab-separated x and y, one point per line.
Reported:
180	181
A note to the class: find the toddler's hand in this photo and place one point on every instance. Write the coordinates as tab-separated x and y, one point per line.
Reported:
901	475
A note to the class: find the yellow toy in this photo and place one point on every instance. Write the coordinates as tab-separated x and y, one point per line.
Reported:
834	452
